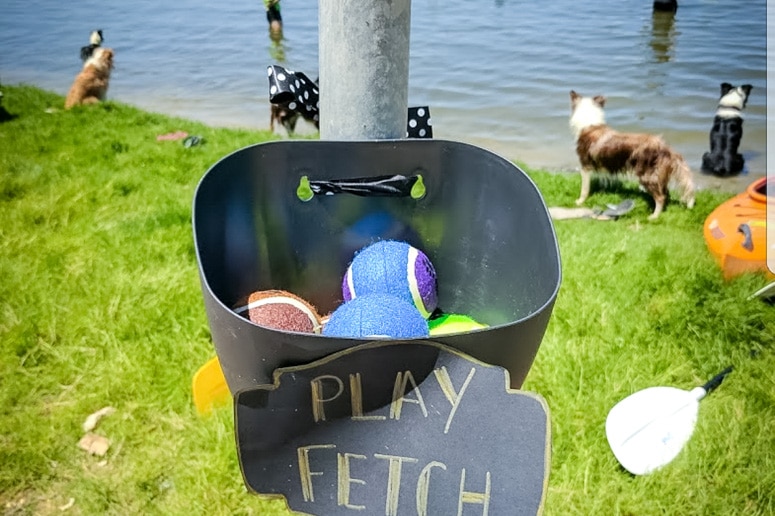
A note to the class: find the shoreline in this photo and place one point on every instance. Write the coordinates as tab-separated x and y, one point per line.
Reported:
563	156
733	185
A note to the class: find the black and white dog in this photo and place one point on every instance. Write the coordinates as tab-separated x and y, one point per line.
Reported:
95	40
726	133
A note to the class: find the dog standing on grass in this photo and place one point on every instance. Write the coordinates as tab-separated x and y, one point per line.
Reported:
648	157
726	132
283	115
91	85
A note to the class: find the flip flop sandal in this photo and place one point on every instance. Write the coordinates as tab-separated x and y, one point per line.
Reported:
192	141
617	210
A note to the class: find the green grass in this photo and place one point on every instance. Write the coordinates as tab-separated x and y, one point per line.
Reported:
100	304
643	304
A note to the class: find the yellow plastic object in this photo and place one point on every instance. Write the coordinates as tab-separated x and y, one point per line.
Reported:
209	387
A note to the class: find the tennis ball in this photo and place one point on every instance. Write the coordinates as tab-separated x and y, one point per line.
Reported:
376	316
395	268
453	323
281	310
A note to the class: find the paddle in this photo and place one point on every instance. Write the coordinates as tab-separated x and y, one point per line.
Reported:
209	387
647	429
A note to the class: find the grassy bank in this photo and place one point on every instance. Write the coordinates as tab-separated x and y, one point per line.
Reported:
100	305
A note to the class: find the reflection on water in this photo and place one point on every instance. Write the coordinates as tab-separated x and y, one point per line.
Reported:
276	49
662	35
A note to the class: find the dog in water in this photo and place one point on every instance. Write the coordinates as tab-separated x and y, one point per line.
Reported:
648	157
726	132
91	85
95	40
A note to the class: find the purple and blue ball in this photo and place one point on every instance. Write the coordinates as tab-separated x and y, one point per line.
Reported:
395	268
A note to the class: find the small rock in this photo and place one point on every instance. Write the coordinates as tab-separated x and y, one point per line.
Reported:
94	444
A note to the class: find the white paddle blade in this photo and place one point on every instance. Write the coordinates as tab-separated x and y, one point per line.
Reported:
648	429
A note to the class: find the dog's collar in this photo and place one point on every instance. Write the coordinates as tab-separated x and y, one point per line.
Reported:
733	108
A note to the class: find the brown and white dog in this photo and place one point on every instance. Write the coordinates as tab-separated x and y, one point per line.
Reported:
91	85
648	157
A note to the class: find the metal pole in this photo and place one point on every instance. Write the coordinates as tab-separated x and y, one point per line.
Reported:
364	68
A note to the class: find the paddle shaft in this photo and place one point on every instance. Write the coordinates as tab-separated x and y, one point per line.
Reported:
716	380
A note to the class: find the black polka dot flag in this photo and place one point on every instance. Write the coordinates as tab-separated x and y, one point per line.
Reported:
295	91
299	93
419	123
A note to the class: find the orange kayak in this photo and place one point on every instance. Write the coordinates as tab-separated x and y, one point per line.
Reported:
736	231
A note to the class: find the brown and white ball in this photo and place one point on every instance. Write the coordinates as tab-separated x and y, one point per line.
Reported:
281	310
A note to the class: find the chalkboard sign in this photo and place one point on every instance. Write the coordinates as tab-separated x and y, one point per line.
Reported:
395	428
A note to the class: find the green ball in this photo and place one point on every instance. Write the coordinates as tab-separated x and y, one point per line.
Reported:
453	323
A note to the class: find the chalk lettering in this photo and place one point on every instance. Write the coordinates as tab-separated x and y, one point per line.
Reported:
472	497
345	479
399	391
421	495
316	385
445	382
305	473
356	400
394	481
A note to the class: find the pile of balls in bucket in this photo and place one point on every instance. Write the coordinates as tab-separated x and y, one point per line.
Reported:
389	291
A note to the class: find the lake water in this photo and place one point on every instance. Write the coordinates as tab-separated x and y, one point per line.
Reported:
494	73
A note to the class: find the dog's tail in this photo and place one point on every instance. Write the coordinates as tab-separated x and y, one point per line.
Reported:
682	175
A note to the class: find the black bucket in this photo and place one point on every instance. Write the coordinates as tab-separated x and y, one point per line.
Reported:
482	222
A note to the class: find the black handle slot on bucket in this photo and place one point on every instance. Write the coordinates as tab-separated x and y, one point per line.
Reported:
380	186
